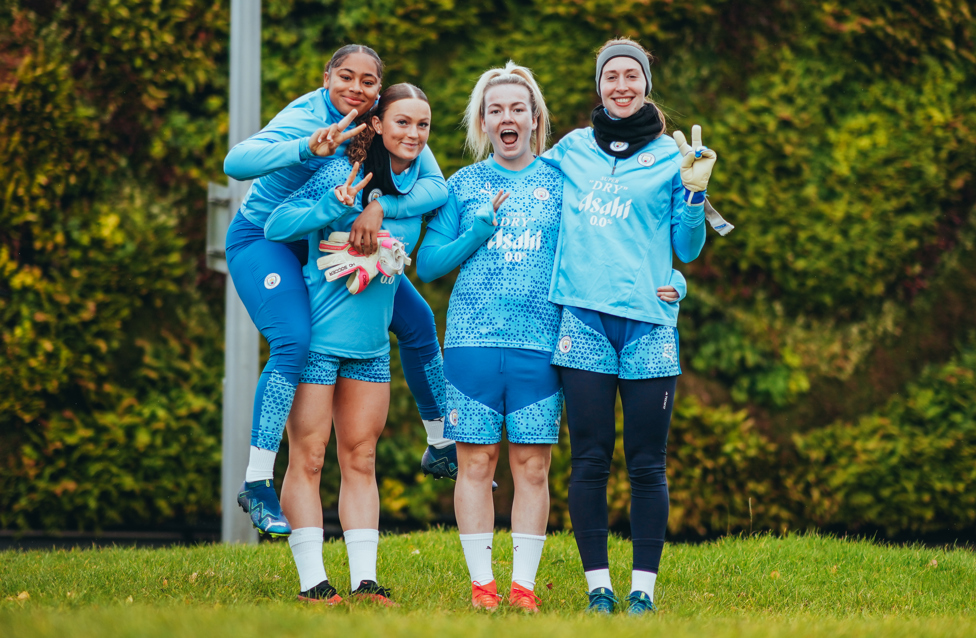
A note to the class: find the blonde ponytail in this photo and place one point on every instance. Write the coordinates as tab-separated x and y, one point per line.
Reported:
477	142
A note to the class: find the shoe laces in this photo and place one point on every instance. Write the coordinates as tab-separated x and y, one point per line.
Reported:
640	602
523	597
373	588
602	599
484	595
322	591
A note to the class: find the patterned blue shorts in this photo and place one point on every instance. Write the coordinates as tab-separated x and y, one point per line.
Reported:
598	342
488	388
322	369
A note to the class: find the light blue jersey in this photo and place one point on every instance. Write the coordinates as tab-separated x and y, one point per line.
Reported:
278	159
500	298
621	218
343	325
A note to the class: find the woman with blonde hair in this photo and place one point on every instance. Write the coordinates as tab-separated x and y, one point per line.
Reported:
631	198
500	225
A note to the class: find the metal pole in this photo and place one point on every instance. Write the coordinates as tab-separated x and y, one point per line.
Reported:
241	338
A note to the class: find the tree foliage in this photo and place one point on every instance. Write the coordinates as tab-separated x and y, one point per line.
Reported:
844	132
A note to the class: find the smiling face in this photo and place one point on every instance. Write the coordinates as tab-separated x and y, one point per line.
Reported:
509	123
354	83
405	128
622	87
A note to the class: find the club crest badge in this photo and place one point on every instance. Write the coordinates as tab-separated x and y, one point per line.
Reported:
565	344
453	417
374	195
540	194
645	159
619	146
272	281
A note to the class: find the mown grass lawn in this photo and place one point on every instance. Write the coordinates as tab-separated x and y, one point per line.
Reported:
804	585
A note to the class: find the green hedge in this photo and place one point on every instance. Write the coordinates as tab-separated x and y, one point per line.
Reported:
909	466
846	162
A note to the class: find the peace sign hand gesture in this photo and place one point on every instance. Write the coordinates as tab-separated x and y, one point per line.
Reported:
325	141
696	165
486	217
346	193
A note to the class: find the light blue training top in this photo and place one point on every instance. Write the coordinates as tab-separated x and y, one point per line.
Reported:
500	298
278	158
344	325
620	220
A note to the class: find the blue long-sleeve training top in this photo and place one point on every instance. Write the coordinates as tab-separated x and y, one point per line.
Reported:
344	325
278	158
620	220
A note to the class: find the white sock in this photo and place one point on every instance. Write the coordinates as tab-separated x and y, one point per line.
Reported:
361	546
598	578
643	581
306	548
527	551
477	553
435	433
260	466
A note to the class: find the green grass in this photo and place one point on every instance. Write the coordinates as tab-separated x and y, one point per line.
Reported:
804	585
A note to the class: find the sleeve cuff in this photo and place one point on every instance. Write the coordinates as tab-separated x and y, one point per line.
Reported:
389	205
304	152
694	215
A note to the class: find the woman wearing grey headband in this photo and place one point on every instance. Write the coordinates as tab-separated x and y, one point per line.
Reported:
630	200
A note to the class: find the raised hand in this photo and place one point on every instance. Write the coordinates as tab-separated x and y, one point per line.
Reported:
346	193
325	141
496	203
696	164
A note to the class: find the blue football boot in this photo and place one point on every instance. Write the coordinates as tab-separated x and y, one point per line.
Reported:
640	604
443	463
602	601
260	502
440	463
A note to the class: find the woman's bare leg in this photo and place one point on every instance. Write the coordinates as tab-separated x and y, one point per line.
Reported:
360	409
530	471
309	426
360	416
473	505
530	513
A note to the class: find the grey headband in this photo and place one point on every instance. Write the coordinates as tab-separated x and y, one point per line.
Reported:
626	51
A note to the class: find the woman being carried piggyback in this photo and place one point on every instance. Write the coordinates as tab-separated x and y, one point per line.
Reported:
347	377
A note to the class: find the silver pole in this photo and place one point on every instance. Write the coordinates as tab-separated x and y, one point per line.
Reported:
241	338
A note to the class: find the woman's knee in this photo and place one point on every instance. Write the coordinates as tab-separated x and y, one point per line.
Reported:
413	321
534	475
358	459
285	323
307	455
477	465
532	470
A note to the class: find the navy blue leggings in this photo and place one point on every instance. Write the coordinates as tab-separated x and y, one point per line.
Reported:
268	277
647	405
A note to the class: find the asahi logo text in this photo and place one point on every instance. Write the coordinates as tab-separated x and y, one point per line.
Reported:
604	203
526	241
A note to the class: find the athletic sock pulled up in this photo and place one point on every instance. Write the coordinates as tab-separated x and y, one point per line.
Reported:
306	549
477	554
361	546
